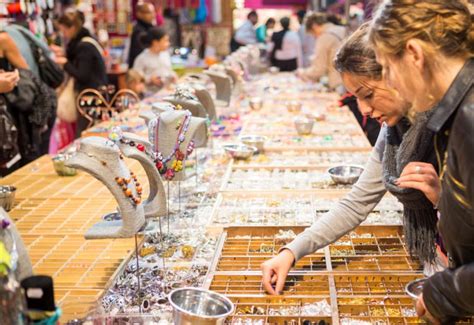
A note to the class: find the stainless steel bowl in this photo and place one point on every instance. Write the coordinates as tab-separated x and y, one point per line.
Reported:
294	106
415	288
7	197
256	141
345	174
239	151
195	306
256	103
304	126
60	168
274	70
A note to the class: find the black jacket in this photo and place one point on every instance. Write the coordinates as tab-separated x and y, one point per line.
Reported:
136	46
450	294
85	63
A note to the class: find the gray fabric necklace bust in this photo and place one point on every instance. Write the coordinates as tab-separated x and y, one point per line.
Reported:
406	143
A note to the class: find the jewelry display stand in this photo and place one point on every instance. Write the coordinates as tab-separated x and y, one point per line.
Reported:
168	134
101	158
223	86
187	103
156	109
155	205
206	100
10	237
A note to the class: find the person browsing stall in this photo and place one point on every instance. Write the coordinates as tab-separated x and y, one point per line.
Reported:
400	142
285	48
245	34
145	16
426	49
329	38
154	64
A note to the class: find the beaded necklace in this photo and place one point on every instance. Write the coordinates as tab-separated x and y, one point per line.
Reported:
125	183
161	162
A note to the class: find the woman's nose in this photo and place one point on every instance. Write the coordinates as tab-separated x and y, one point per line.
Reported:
364	108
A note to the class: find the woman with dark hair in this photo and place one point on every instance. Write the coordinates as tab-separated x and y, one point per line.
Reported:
285	48
154	64
400	142
83	60
262	30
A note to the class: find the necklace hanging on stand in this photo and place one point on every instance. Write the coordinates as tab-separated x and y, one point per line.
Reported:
162	163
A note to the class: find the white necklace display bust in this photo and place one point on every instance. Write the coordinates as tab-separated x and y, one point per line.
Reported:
101	158
138	148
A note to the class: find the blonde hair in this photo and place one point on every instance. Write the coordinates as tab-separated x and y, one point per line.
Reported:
443	26
133	76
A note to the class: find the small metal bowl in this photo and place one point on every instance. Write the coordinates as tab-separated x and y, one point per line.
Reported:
304	126
199	306
239	151
294	106
415	288
345	174
60	168
7	196
256	141
274	70
256	103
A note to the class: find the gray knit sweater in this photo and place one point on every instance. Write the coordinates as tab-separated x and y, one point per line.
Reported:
350	211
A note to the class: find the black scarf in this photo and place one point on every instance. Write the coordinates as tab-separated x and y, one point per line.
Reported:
406	143
71	49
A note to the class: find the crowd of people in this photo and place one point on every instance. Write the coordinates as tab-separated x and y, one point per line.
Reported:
411	68
39	82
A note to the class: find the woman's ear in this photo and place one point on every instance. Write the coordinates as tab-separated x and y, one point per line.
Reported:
414	54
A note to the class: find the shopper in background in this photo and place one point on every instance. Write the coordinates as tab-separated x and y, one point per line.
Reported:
136	83
399	143
17	33
308	41
83	59
245	34
262	30
146	15
285	48
427	51
329	38
154	63
30	106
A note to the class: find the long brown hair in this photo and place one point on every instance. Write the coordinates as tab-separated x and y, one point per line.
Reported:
356	56
72	18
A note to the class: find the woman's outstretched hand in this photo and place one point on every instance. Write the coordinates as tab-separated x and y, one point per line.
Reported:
275	270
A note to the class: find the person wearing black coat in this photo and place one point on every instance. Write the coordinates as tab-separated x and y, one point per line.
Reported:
145	17
83	59
435	71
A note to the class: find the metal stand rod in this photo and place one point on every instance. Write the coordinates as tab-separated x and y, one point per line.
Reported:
179	198
196	167
162	242
138	275
168	207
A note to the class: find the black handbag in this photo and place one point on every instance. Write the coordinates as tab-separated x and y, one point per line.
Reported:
50	72
8	135
21	98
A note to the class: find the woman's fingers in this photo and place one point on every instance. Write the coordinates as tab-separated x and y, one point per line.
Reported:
267	275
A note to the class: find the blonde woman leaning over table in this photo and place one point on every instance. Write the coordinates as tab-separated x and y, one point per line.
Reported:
427	51
362	75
